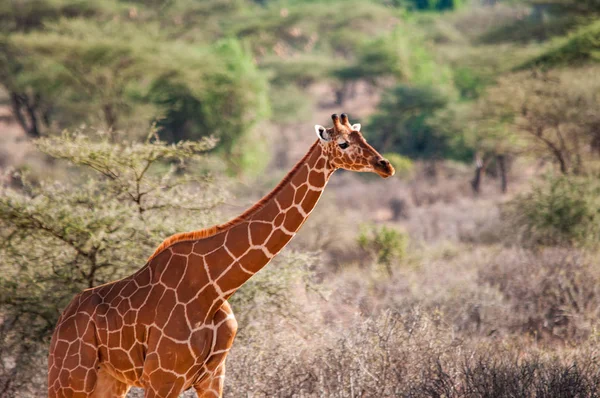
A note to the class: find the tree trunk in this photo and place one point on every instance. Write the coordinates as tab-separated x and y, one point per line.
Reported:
431	169
340	95
31	111
501	162
109	116
25	113
562	162
476	181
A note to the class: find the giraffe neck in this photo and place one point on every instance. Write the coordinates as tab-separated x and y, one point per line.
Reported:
301	188
264	230
283	211
215	266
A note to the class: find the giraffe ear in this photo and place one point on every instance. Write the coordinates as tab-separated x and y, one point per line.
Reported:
356	127
322	133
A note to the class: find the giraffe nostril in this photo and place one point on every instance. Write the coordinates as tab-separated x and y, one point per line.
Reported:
383	162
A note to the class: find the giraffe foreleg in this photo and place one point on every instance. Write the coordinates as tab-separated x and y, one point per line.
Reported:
104	386
109	387
212	386
225	328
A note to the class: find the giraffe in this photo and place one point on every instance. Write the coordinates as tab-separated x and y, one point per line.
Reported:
168	327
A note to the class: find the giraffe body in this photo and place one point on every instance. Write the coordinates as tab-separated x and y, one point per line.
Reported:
169	326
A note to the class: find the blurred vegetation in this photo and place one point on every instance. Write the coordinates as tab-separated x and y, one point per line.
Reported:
126	70
126	65
386	245
430	5
560	210
579	48
456	93
403	165
401	124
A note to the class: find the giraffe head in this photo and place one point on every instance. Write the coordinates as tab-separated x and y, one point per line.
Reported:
346	148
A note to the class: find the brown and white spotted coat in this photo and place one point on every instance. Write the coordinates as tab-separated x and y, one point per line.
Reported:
169	326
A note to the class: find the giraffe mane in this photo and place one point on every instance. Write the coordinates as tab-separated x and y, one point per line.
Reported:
215	229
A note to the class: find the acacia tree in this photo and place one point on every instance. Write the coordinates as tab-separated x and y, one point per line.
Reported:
554	113
31	107
98	224
401	123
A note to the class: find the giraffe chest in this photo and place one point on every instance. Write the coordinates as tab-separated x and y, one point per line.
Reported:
196	357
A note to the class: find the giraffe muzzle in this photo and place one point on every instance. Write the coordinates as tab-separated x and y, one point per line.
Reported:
383	167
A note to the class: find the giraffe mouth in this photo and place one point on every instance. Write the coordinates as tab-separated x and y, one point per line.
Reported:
384	168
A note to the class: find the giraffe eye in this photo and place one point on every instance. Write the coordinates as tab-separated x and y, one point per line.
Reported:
344	145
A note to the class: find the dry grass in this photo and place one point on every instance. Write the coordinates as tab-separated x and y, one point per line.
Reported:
484	322
408	355
553	294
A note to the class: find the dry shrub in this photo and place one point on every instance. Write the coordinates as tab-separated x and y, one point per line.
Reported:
464	220
557	211
366	357
396	355
439	181
503	372
430	209
427	193
383	245
440	280
444	207
553	294
431	183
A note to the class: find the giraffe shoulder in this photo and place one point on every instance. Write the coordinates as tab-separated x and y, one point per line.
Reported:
184	236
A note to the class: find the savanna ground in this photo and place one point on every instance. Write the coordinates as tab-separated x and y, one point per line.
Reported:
473	272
